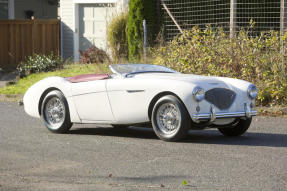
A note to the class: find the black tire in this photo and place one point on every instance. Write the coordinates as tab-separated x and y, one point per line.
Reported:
237	128
65	124
183	126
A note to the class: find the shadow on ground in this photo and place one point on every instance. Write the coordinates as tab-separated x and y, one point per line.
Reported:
194	136
145	179
6	77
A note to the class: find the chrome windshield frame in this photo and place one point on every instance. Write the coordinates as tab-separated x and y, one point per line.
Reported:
127	74
144	72
113	70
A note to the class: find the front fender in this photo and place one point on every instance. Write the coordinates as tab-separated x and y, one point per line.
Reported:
33	95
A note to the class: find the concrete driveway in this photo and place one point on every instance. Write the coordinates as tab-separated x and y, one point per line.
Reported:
103	158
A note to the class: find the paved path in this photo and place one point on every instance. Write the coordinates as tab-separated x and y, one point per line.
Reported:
6	77
32	158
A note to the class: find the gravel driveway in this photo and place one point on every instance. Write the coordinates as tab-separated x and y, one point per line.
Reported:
104	158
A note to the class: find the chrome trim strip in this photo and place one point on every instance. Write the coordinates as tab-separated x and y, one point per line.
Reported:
207	116
135	91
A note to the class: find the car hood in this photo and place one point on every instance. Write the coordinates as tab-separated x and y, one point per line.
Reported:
203	81
182	77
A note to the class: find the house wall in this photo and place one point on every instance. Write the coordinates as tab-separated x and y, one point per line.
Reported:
42	9
67	14
67	26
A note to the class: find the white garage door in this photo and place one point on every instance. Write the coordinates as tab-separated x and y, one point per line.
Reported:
93	25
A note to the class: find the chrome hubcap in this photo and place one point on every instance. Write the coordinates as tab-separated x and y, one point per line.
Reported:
55	112
168	118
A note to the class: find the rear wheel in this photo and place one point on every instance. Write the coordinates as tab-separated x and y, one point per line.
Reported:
170	120
237	128
55	112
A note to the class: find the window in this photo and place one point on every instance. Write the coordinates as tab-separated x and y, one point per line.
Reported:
4	9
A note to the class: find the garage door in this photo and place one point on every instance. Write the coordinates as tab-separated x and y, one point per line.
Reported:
93	25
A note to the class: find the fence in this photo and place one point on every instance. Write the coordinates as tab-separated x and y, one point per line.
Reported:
232	15
22	38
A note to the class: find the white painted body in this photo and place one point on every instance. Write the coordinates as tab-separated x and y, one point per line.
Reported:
126	100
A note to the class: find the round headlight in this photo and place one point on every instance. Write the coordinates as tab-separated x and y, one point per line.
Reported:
252	91
198	93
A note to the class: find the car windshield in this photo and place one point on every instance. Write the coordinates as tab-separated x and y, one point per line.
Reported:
126	69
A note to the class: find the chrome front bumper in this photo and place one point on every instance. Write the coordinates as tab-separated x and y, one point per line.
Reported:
212	116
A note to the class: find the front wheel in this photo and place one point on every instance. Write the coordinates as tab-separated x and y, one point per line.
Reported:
55	112
237	129
170	120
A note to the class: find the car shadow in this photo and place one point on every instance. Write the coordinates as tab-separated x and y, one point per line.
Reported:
247	139
129	132
154	180
210	136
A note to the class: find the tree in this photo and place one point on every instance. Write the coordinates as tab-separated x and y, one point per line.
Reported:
138	11
135	28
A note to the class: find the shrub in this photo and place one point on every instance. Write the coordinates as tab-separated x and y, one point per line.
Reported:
39	63
117	37
93	55
211	52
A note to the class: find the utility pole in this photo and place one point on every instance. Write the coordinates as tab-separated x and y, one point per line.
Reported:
282	23
233	4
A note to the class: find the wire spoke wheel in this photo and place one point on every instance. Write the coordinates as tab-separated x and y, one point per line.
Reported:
236	129
168	118
55	112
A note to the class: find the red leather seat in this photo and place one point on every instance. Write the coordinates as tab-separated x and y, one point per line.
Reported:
87	77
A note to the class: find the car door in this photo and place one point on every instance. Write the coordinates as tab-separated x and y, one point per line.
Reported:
129	100
91	101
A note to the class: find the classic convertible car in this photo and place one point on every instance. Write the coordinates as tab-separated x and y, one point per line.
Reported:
141	93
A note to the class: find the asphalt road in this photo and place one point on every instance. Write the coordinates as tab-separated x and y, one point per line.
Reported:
103	158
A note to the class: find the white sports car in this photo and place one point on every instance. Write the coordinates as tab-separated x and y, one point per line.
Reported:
141	93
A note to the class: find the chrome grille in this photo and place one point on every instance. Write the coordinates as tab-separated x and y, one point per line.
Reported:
220	97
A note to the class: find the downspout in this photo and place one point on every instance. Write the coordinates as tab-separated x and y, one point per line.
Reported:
61	28
11	9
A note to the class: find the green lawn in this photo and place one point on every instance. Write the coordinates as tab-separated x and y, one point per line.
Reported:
69	70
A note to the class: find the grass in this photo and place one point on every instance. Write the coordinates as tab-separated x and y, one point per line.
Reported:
69	70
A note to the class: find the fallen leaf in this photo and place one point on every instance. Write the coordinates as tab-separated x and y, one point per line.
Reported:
184	183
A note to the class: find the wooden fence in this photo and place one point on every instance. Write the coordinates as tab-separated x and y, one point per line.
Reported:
22	38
